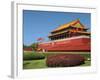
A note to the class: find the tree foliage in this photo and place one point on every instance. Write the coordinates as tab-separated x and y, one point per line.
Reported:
34	46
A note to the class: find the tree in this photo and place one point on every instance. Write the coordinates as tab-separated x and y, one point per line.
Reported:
25	46
34	46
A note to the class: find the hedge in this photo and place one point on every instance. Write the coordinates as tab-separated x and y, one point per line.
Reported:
64	60
33	56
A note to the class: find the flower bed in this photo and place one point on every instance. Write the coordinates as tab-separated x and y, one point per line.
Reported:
64	60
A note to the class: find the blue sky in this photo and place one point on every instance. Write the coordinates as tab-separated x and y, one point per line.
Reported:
38	24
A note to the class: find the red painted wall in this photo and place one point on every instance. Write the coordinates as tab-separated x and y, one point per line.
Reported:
27	49
79	44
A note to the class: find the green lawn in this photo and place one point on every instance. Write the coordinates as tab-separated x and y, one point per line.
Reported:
87	63
41	63
33	64
85	54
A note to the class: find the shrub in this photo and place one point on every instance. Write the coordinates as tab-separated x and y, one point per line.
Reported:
33	56
64	60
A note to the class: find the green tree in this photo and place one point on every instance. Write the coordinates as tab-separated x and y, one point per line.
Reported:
34	46
25	46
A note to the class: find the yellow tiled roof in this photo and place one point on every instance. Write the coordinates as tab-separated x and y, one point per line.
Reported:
75	23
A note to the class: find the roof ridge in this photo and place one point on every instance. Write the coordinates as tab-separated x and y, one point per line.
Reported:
68	24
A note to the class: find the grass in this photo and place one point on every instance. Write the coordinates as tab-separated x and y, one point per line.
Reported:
41	63
85	54
33	64
87	63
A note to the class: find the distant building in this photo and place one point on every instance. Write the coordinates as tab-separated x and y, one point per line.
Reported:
72	36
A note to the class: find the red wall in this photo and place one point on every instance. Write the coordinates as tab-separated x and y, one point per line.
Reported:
79	44
27	49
